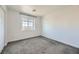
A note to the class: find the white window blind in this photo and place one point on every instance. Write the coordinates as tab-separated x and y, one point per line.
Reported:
28	22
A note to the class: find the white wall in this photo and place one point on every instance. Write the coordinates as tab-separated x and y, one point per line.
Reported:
15	27
63	25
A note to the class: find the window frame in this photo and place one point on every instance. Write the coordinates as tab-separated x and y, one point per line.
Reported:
28	20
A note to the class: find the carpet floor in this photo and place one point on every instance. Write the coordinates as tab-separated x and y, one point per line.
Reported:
38	45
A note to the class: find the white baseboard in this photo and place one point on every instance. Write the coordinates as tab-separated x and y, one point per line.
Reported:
62	42
1	49
21	39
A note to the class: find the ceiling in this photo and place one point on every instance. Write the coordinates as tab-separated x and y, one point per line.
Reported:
41	10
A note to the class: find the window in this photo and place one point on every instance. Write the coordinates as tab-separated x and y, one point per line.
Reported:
27	22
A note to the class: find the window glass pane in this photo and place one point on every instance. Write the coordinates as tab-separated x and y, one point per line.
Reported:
30	23
27	22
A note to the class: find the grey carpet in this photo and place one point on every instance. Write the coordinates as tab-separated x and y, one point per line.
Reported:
38	45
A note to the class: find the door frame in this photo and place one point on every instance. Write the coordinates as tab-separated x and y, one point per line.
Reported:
4	28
